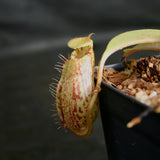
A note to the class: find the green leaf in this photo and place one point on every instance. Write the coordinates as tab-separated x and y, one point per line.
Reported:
124	40
140	47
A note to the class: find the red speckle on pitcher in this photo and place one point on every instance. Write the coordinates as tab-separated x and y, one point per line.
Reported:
75	88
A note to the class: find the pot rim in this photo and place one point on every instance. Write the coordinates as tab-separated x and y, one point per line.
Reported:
120	66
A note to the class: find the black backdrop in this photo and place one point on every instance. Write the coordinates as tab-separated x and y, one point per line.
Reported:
25	20
32	34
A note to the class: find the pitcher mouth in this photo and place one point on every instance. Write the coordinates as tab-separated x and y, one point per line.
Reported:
80	52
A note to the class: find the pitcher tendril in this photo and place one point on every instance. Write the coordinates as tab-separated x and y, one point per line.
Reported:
76	94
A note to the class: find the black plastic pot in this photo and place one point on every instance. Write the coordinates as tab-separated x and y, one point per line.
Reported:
141	142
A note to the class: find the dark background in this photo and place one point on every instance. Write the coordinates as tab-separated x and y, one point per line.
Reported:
32	34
